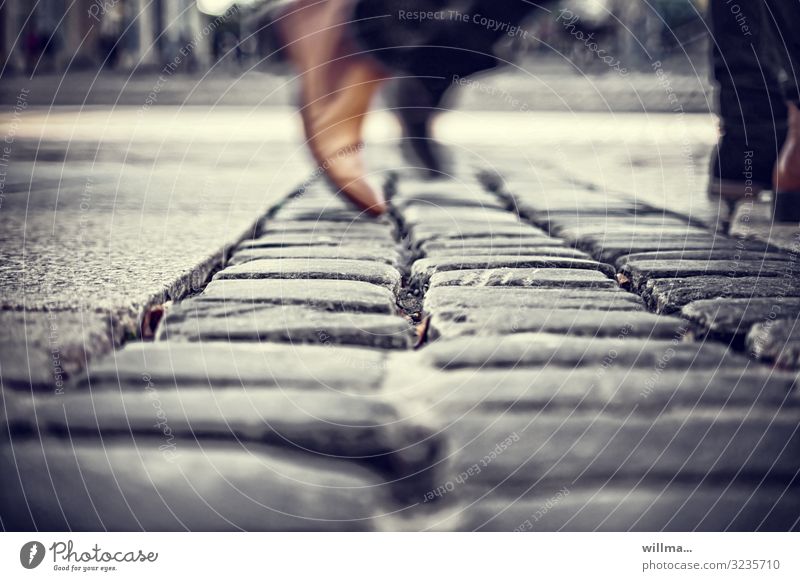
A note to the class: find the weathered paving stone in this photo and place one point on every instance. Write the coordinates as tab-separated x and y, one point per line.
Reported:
734	317
315	268
581	446
543	349
501	321
78	485
330	295
359	427
351	251
314	212
669	295
730	254
466	299
607	387
460	244
481	250
357	230
674	507
524	277
448	218
423	269
222	364
611	249
314	239
42	350
776	341
197	321
639	272
443	193
476	231
403	202
595	231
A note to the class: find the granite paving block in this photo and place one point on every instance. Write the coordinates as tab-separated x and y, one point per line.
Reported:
423	269
777	341
476	231
448	218
329	295
315	268
734	317
349	251
316	239
523	277
223	364
551	350
499	321
198	321
459	245
669	295
355	230
360	427
77	485
492	250
582	446
611	249
639	272
608	387
674	507
730	254
483	299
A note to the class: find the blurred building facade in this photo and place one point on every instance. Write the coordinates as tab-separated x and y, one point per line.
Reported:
46	36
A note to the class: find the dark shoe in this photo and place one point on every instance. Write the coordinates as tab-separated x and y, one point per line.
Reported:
416	102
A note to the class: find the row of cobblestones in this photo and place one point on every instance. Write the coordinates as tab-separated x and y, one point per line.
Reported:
287	395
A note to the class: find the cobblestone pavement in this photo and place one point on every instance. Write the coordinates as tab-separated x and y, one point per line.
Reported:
492	357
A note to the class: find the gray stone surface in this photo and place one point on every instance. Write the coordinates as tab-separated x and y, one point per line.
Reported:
610	388
551	350
734	317
357	230
315	239
578	447
476	231
43	350
524	277
473	251
669	295
676	507
610	249
730	254
497	321
487	299
451	218
445	247
77	485
423	269
223	364
359	427
329	295
315	268
777	341
195	321
348	252
639	272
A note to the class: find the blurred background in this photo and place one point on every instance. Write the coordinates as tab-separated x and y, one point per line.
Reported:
114	49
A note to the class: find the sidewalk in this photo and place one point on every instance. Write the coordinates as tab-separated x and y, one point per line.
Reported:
590	356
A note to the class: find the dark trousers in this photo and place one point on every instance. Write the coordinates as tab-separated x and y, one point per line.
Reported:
756	64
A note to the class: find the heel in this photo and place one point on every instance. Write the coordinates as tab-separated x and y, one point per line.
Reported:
786	207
